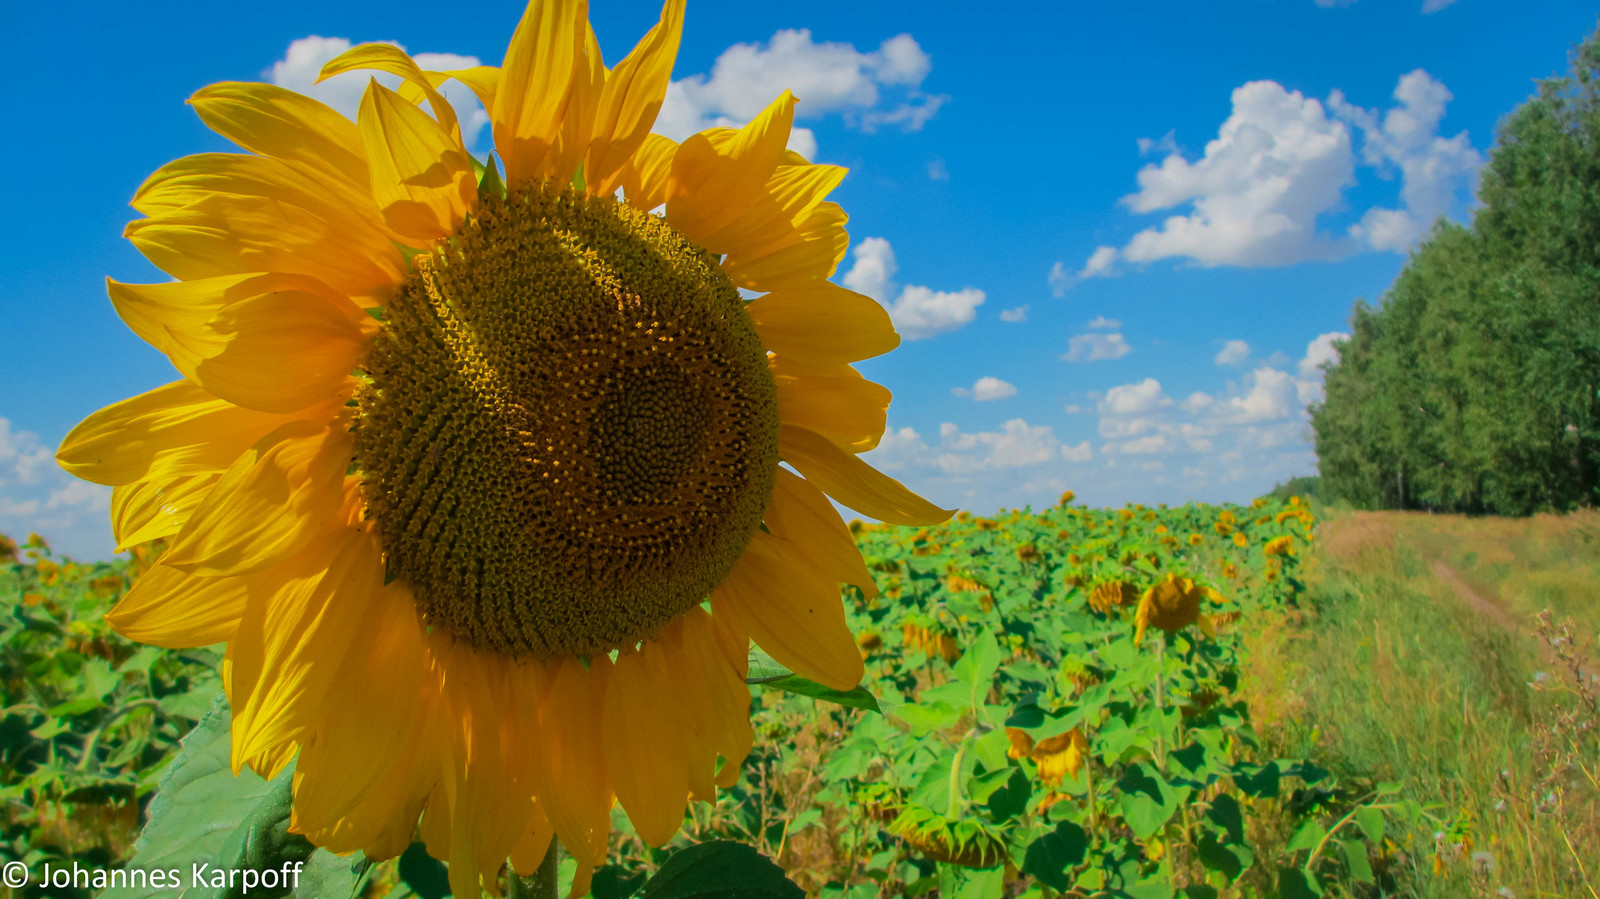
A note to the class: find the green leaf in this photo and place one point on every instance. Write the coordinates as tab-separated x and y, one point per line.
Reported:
1355	855
1157	887
489	179
1147	801
1218	857
205	822
1050	857
428	878
989	883
1263	784
96	679
194	703
858	698
1226	814
1307	837
977	666
1370	820
720	869
925	718
1293	884
1011	800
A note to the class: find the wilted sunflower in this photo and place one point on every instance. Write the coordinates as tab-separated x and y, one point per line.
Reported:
456	460
1171	605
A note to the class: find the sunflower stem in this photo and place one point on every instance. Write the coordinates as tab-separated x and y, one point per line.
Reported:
1161	705
541	884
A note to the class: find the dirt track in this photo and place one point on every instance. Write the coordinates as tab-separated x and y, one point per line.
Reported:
1352	533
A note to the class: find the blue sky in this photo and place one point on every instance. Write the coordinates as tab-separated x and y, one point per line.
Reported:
1116	236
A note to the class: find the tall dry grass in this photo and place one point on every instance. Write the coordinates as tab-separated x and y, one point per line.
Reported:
1394	676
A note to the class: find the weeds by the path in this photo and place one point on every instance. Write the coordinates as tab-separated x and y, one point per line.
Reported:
1397	678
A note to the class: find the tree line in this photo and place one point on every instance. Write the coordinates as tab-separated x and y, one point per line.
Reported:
1473	386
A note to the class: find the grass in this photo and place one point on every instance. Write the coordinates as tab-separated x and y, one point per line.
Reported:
1393	676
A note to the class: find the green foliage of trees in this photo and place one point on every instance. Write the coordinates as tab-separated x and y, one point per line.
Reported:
1475	386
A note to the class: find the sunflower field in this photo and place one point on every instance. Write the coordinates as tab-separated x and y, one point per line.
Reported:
1051	708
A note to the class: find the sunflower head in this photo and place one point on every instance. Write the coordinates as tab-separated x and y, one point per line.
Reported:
1107	596
1170	605
1060	756
457	460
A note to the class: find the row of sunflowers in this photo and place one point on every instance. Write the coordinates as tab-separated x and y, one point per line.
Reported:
1051	708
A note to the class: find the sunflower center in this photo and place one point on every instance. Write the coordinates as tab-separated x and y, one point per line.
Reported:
570	432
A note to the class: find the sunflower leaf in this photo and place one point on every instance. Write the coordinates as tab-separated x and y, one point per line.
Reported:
211	834
720	869
859	698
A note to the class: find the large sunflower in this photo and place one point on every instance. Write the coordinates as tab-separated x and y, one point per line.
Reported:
456	460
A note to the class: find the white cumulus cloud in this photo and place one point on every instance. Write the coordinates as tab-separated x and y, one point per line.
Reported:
1233	352
986	388
1277	162
1083	452
1019	314
1433	169
1132	399
917	311
1016	445
1100	264
1091	347
37	496
868	89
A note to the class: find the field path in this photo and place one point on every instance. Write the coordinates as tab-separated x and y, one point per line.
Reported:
1491	609
1350	534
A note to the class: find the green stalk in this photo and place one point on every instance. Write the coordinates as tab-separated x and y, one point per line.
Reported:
541	884
953	810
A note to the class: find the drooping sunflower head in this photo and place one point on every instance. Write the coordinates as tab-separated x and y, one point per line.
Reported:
1170	605
462	448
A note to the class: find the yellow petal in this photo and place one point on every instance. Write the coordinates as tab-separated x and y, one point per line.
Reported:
530	851
269	504
782	206
536	83
834	401
382	823
718	174
632	98
799	513
852	481
645	177
727	726
300	619
280	123
693	694
199	180
146	510
150	309
481	80
230	234
169	608
822	323
421	177
577	125
793	611
487	792
804	255
395	61
278	352
172	430
373	713
573	785
643	742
